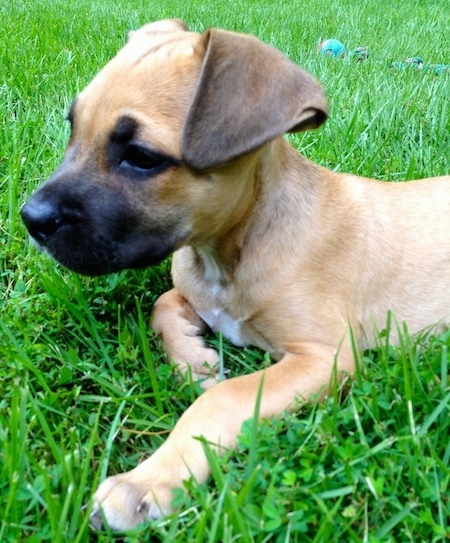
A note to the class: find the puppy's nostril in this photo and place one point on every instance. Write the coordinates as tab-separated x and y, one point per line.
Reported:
42	219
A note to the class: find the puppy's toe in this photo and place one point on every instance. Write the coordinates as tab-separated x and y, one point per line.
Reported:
151	508
203	366
117	503
210	379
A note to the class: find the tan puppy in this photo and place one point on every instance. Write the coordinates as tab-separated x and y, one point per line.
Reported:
176	146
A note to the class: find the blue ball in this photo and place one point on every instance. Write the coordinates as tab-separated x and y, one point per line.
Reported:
332	48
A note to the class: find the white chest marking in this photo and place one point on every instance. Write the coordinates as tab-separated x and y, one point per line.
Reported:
220	321
217	318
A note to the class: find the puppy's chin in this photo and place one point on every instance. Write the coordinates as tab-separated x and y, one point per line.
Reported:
93	258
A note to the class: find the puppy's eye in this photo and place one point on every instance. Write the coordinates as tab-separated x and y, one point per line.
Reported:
141	159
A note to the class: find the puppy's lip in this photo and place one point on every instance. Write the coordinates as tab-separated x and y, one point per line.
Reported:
38	245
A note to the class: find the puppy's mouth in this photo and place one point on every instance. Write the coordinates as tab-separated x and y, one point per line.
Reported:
96	235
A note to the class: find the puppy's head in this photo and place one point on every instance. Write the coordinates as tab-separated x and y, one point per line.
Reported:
160	144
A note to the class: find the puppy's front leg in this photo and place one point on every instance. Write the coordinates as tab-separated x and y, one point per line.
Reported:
181	330
146	492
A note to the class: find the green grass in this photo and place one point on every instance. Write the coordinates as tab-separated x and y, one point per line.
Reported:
84	390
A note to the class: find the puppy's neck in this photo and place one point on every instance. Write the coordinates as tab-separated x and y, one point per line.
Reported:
219	261
212	271
274	191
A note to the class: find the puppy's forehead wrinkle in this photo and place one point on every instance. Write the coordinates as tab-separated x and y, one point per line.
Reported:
124	130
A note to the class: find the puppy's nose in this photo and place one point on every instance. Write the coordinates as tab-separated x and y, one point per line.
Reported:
42	219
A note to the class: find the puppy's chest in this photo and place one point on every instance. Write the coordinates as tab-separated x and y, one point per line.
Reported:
211	300
221	321
236	325
229	311
222	305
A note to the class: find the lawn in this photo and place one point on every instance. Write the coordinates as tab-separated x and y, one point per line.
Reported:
85	390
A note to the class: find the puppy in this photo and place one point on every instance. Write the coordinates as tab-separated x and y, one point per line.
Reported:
177	146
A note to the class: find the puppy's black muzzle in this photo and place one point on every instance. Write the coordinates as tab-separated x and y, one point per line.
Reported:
93	227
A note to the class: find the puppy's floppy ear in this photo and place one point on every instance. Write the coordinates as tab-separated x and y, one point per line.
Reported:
248	93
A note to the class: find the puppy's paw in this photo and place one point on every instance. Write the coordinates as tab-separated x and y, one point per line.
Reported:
181	329
202	366
124	501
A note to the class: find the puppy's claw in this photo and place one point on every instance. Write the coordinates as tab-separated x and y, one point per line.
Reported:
99	519
96	519
149	509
